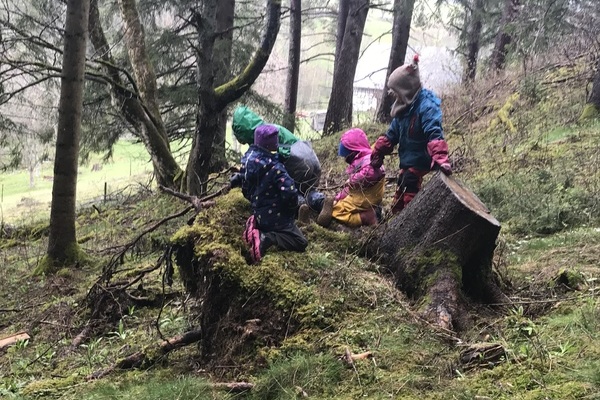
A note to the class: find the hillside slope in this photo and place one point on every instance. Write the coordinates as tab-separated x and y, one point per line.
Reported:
294	317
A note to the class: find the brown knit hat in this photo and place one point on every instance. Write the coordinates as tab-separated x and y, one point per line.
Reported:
405	84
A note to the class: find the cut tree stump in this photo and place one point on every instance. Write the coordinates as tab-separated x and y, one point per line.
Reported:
440	248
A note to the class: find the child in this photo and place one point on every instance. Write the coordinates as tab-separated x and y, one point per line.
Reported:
297	155
273	195
355	205
417	130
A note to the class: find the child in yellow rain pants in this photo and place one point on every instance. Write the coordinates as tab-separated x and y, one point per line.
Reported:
355	205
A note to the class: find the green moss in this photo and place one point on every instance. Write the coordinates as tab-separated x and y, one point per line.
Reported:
503	116
74	256
46	387
590	111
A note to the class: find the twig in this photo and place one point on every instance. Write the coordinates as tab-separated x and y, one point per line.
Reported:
198	203
540	301
108	270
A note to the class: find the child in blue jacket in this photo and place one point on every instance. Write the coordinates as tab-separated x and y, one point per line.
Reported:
417	130
273	196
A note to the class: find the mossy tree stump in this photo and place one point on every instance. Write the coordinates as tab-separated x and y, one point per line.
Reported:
440	249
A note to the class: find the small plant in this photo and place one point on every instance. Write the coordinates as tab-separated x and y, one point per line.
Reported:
94	354
21	344
121	333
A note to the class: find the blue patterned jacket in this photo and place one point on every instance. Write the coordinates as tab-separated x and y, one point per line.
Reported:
270	190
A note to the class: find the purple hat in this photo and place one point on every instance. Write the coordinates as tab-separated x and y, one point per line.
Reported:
267	137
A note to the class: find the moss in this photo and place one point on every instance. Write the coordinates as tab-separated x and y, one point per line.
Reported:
503	116
47	387
74	256
590	111
426	268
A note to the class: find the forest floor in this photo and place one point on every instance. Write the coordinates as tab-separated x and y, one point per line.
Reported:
520	149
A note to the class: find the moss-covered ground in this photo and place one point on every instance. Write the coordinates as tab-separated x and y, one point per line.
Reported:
521	150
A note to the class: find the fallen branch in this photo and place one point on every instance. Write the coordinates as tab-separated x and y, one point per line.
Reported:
179	341
140	358
13	339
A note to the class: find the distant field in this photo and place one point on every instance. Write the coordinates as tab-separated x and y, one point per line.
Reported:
20	203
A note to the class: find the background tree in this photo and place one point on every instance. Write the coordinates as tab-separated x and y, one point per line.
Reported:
293	75
223	48
62	242
473	32
165	166
504	35
339	110
213	100
403	11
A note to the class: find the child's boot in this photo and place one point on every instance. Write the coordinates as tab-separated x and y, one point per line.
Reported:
368	218
326	214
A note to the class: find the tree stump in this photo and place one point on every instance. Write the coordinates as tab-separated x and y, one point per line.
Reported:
440	249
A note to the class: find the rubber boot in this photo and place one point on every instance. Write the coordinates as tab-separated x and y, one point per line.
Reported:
326	214
368	217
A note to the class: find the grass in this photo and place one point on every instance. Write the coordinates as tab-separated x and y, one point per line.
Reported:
22	204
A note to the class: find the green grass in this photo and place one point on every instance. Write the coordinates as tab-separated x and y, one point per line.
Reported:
22	204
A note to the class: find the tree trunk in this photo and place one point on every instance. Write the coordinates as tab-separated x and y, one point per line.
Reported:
62	243
342	18
473	41
339	110
223	46
212	101
592	108
291	87
503	37
440	249
403	10
146	109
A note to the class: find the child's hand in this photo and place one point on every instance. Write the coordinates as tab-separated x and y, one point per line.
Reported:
446	168
236	180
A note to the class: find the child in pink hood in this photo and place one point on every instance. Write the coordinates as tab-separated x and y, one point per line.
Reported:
355	205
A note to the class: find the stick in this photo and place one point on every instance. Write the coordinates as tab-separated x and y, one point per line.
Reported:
135	360
13	339
198	203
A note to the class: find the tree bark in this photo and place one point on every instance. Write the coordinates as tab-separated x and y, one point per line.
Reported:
473	41
592	107
291	87
223	46
131	106
440	249
403	10
211	100
62	242
339	110
503	37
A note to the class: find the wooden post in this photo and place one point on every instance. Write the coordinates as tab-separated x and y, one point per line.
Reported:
105	190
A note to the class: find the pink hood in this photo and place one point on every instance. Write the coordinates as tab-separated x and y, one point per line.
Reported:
355	139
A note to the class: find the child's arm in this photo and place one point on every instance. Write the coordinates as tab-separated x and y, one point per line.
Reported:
288	193
385	144
431	121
